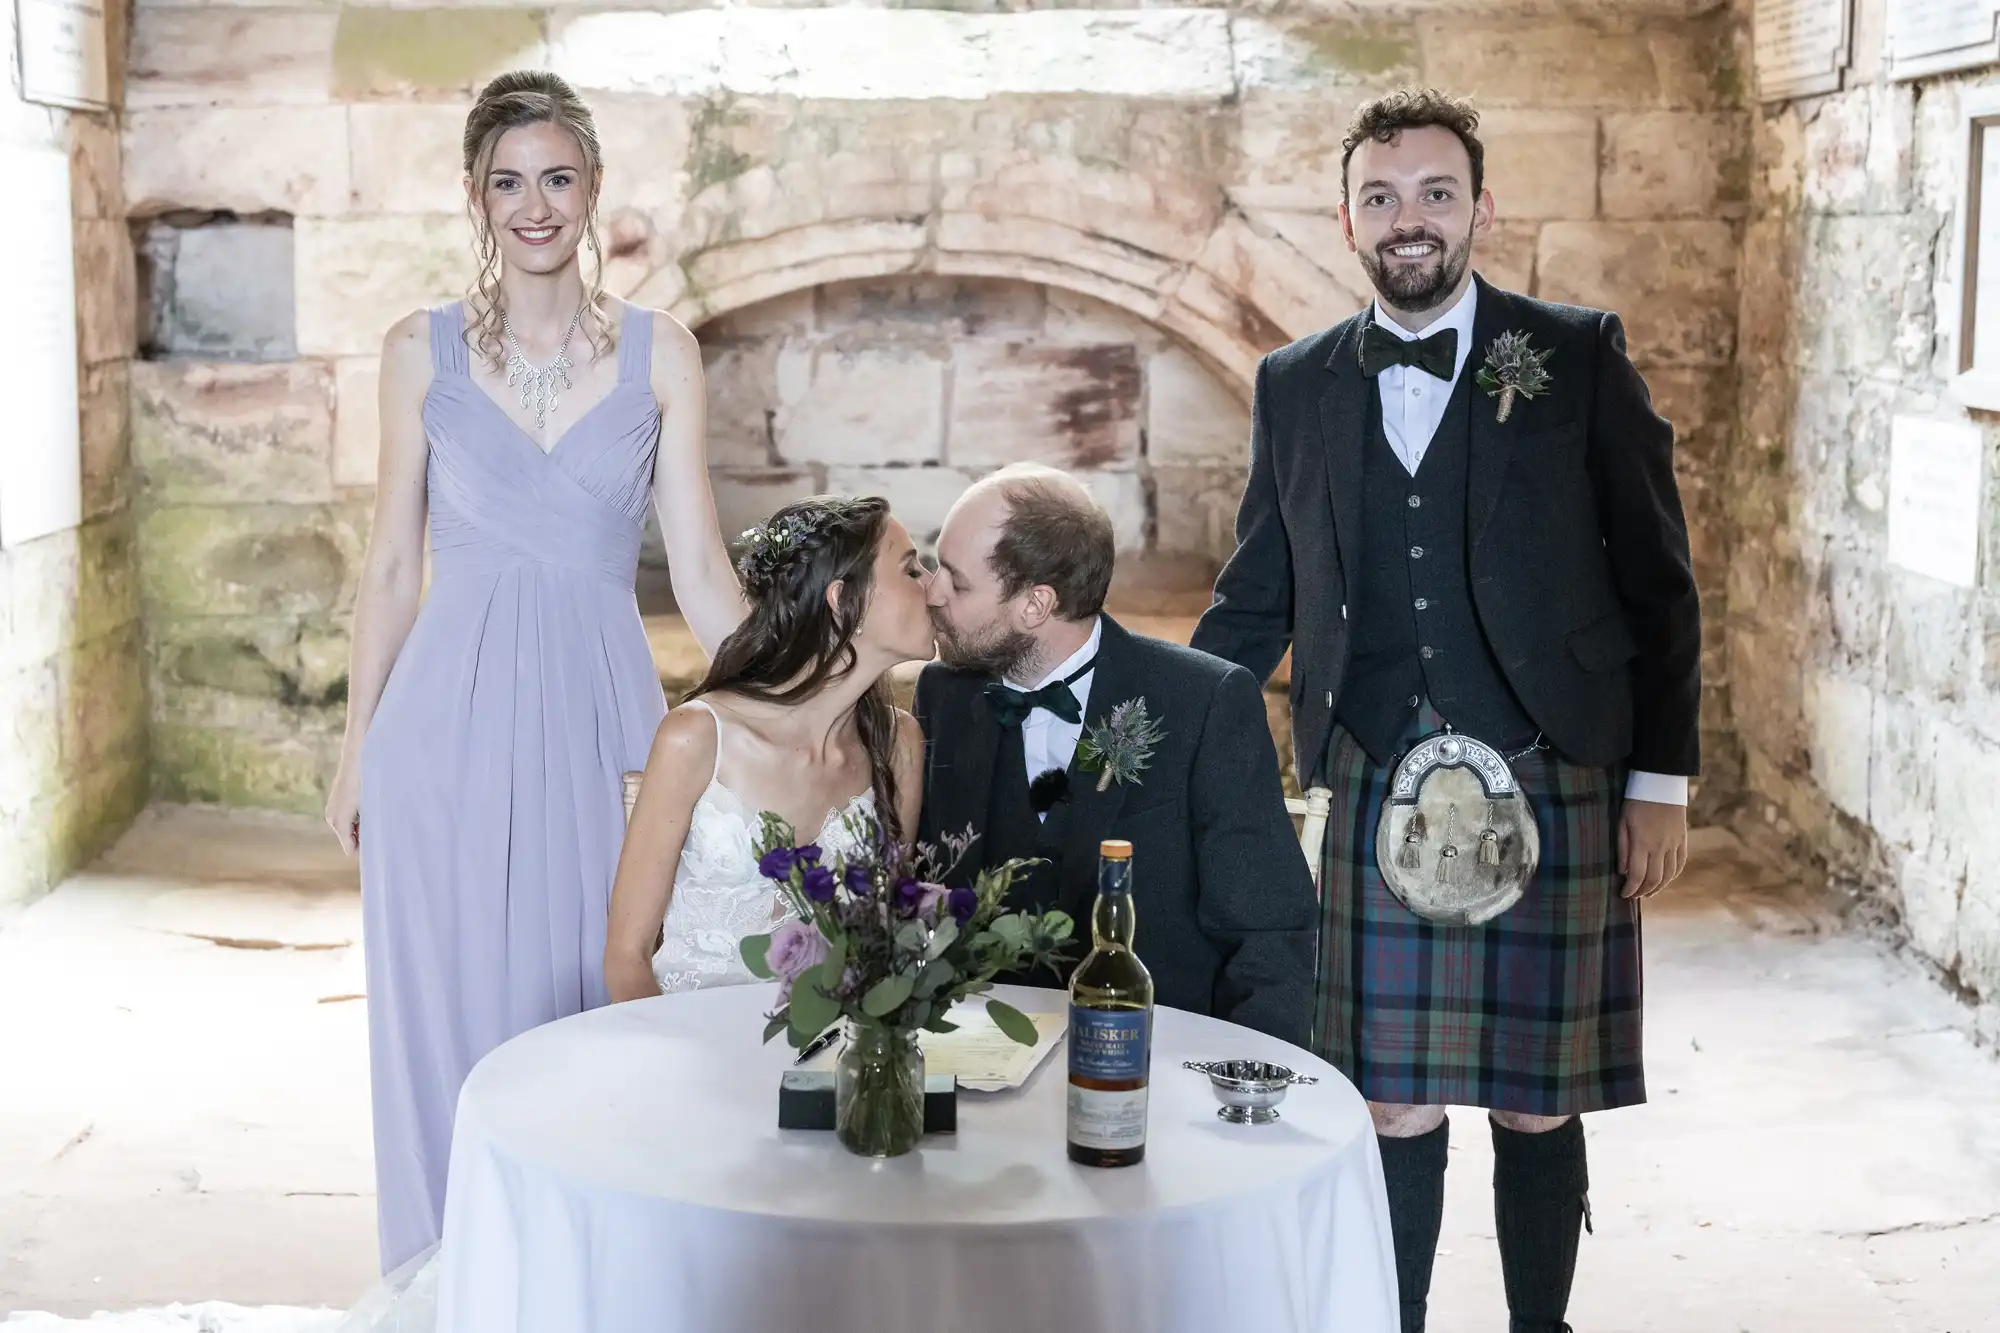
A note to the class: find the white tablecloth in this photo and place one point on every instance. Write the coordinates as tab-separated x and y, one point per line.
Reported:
622	1171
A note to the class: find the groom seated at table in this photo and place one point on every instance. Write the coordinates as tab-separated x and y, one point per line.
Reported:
1030	666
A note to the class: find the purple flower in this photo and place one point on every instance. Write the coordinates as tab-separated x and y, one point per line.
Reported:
858	878
931	903
795	946
909	896
777	863
808	855
819	884
963	902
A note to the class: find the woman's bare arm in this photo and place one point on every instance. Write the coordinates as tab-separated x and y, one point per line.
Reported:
677	771
392	571
704	580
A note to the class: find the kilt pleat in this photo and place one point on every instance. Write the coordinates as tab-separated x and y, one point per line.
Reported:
1537	1011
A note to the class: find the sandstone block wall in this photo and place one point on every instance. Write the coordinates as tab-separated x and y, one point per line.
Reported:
913	387
73	709
1866	697
1178	165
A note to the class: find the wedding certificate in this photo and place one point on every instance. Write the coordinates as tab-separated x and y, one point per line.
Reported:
979	1055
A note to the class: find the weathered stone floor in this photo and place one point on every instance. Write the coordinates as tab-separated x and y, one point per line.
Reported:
184	1113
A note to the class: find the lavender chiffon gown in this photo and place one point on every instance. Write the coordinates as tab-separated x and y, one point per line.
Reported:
491	809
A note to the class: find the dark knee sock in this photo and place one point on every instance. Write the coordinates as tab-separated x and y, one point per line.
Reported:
1539	1182
1414	1171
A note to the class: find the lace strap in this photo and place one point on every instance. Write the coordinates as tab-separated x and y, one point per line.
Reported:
715	771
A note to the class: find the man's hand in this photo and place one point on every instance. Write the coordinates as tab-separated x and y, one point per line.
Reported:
1652	846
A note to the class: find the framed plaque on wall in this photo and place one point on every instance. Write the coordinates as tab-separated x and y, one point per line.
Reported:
41	449
62	53
1973	316
1935	36
1800	47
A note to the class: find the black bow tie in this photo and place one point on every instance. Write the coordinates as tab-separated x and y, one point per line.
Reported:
1436	355
1011	706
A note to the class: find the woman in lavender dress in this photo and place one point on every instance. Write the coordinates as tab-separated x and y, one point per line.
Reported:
487	734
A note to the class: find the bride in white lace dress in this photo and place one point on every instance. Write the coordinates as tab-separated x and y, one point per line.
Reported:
793	718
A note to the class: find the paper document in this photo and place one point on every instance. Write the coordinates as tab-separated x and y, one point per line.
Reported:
979	1055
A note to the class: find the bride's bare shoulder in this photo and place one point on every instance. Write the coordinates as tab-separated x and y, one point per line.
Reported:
687	735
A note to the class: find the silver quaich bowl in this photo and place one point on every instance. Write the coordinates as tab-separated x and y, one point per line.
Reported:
1249	1090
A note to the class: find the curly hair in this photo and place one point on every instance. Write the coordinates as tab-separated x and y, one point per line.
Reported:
1414	108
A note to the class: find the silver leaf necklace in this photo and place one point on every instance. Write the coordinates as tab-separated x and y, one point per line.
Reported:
539	387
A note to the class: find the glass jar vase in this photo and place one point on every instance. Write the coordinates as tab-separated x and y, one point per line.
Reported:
878	1091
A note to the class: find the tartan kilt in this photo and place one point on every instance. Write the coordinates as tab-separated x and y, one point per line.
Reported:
1537	1011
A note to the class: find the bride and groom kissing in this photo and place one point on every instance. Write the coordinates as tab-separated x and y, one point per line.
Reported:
794	718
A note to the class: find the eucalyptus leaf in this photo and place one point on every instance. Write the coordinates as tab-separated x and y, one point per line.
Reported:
934	978
947	932
754	948
835	961
940	1024
812	1009
1012	930
1012	1022
910	937
886	996
777	1025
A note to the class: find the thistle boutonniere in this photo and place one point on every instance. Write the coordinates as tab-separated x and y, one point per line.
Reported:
1119	748
1511	368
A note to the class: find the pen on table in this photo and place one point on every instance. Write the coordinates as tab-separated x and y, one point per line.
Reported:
816	1045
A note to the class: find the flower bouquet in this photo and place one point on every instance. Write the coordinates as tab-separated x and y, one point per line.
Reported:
880	942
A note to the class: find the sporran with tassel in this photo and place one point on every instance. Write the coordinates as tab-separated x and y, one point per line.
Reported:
1456	841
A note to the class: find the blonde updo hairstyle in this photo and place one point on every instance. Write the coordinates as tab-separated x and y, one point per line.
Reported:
516	98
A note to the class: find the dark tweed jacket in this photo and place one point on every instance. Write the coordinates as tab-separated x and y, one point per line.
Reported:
1576	544
1225	903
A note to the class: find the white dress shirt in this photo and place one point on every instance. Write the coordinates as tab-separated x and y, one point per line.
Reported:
1413	403
1046	740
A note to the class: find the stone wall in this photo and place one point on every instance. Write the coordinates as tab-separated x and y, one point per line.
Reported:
1177	164
73	757
1867	698
912	387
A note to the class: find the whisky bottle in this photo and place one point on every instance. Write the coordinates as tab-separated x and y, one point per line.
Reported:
1110	1026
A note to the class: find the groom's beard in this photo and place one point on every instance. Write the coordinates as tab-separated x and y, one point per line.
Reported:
1417	287
998	652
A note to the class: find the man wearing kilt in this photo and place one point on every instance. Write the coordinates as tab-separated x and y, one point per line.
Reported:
1461	511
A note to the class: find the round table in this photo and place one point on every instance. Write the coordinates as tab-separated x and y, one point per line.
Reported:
622	1170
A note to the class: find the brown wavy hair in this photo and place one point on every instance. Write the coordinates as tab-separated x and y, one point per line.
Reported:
1415	108
794	643
516	98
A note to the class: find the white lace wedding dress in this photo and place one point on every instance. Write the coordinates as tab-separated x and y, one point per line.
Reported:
719	899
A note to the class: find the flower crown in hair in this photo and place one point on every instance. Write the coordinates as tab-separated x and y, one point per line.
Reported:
769	547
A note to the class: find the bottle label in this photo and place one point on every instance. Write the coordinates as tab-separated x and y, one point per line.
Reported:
1109	1044
1107	1121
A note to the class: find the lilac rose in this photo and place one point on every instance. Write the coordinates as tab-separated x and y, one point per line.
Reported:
819	884
931	902
777	863
963	902
795	947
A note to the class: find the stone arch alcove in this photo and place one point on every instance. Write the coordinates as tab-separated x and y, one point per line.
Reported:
911	386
